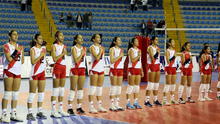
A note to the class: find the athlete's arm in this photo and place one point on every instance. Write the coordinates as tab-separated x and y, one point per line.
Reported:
53	54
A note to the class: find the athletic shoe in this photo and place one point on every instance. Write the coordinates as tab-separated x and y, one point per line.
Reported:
148	104
64	114
157	103
71	112
218	97
92	110
113	108
189	100
166	103
181	101
208	99
55	115
174	102
14	117
30	117
201	99
41	115
129	106
119	108
137	106
80	111
5	118
101	109
210	91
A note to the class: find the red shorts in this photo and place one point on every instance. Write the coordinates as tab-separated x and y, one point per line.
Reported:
134	71
170	70
78	71
219	69
40	76
116	72
206	72
186	71
59	71
91	72
153	67
7	74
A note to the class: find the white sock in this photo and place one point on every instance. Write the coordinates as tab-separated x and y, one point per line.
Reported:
136	100
201	89
4	111
128	100
70	106
61	106
218	93
117	101
206	90
164	98
188	92
172	97
180	91
53	106
155	98
147	99
91	104
29	110
99	103
13	110
79	105
112	102
39	109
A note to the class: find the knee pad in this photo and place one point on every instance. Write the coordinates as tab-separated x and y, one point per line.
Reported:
99	91
62	91
92	90
31	97
15	95
136	89
172	87
156	86
166	88
40	97
80	94
129	89
71	95
7	95
218	85
150	86
55	92
118	91
113	90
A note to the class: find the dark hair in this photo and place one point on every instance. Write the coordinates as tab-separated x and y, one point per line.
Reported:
218	49
203	50
152	39
184	46
74	39
56	35
10	32
33	42
168	44
94	35
113	42
131	43
205	44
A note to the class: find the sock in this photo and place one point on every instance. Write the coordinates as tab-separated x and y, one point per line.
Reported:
91	104
188	92
136	100
117	101
61	106
128	100
201	89
172	97
70	106
180	91
112	102
206	90
147	99
13	110
218	93
165	98
53	106
155	98
79	105
29	110
99	103
4	111
39	109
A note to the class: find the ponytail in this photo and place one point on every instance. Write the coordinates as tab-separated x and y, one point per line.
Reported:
131	43
94	35
113	42
152	39
56	36
33	42
168	44
184	46
74	39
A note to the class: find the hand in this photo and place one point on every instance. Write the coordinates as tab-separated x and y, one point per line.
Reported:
139	53
64	51
122	54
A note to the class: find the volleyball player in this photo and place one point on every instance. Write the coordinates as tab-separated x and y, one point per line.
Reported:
37	79
12	61
77	74
116	73
96	73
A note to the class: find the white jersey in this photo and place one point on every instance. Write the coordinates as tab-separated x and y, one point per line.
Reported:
40	66
135	64
155	49
97	66
82	63
174	62
59	51
118	64
13	66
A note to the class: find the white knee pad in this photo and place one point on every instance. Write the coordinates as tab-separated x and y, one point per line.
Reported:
166	88
92	90
156	86
118	91
71	95
40	97
62	91
113	90
218	85
31	97
15	95
150	86
7	95
80	94
136	89
129	89
172	87
55	92
99	91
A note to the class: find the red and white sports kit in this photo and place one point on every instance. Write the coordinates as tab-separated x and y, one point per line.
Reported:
59	70
97	65
206	69
12	69
38	69
134	68
170	68
117	68
218	63
80	67
153	66
187	67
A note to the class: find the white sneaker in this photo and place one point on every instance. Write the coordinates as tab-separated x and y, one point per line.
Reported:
14	117
113	108
55	114
64	114
5	118
208	99
101	109
201	99
119	108
92	110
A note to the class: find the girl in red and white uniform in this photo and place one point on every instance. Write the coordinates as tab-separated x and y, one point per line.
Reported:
77	74
205	71
218	63
37	79
153	61
12	61
116	73
186	74
170	71
134	74
59	74
96	73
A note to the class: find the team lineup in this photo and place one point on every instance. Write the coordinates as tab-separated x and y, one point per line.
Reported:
14	58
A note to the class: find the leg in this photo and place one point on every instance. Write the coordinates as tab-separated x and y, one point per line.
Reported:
92	92
113	90
130	90
181	86
156	85
41	88
173	88
15	88
166	89
80	86
151	77
55	93
99	92
32	92
118	92
8	82
73	82
61	93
